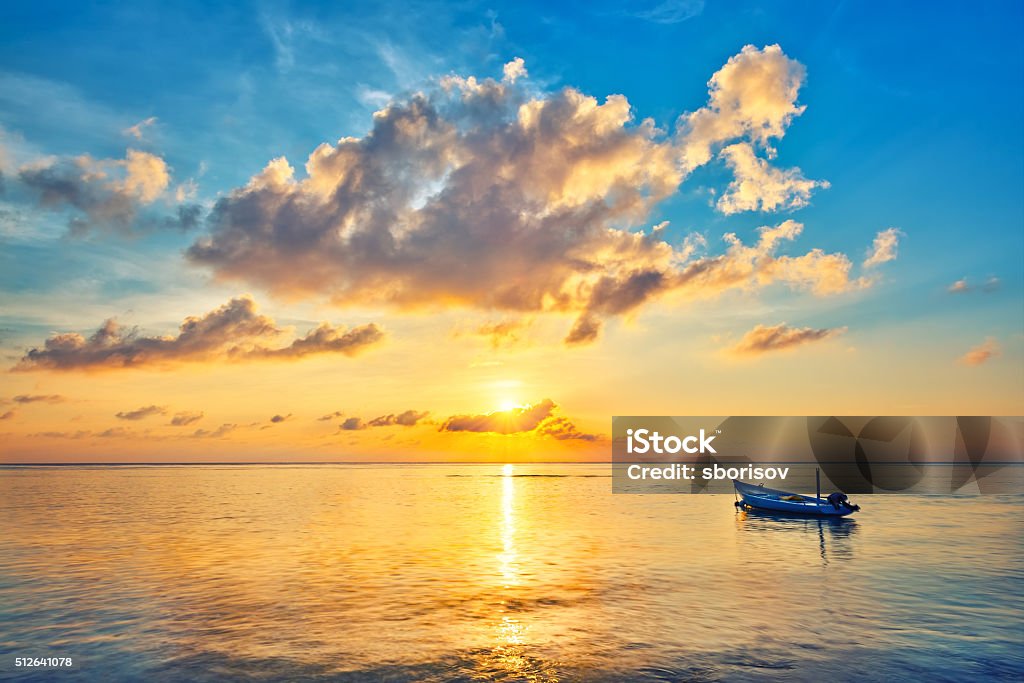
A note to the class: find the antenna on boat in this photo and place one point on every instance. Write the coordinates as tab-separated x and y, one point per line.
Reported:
817	482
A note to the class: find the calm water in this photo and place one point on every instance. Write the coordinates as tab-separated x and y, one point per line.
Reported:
443	572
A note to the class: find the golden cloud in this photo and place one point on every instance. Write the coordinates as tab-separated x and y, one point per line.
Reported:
781	337
488	194
982	353
233	332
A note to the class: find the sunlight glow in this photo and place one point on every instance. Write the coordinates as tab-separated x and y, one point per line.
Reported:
508	404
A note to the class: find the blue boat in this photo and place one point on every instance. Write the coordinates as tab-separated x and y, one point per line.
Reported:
760	498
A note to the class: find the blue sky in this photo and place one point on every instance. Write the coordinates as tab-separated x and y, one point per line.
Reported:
913	117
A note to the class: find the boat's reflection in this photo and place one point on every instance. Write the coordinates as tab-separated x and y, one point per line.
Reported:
833	534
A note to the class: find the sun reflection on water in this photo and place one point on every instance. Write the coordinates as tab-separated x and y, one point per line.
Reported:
509	556
509	631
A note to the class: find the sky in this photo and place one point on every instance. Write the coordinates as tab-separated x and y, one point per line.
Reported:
476	232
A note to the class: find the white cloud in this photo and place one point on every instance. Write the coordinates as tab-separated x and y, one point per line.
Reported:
753	95
885	248
137	130
959	286
514	70
760	187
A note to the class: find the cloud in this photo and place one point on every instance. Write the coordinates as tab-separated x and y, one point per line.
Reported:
8	415
539	419
739	267
884	248
277	419
183	419
233	332
514	70
38	398
107	194
141	413
670	11
961	286
137	131
494	195
330	416
981	353
781	337
760	187
80	434
503	333
523	419
326	338
585	330
116	433
409	418
353	424
753	96
217	433
371	97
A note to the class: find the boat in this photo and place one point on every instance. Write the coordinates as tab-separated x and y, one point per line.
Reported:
757	497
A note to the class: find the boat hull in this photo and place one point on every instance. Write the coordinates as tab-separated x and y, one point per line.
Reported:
761	498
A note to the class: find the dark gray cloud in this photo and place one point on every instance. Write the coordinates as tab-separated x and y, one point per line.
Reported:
117	195
584	331
325	339
234	332
491	195
353	424
185	418
217	433
280	418
563	429
80	434
502	422
541	419
408	418
8	415
38	398
141	413
117	433
331	416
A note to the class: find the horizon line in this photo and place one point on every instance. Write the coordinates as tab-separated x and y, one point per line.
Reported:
482	462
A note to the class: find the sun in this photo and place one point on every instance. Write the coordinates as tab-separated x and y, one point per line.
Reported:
507	404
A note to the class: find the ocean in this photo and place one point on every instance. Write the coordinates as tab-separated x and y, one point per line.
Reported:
491	573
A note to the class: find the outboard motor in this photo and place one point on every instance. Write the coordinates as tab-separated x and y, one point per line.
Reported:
841	500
